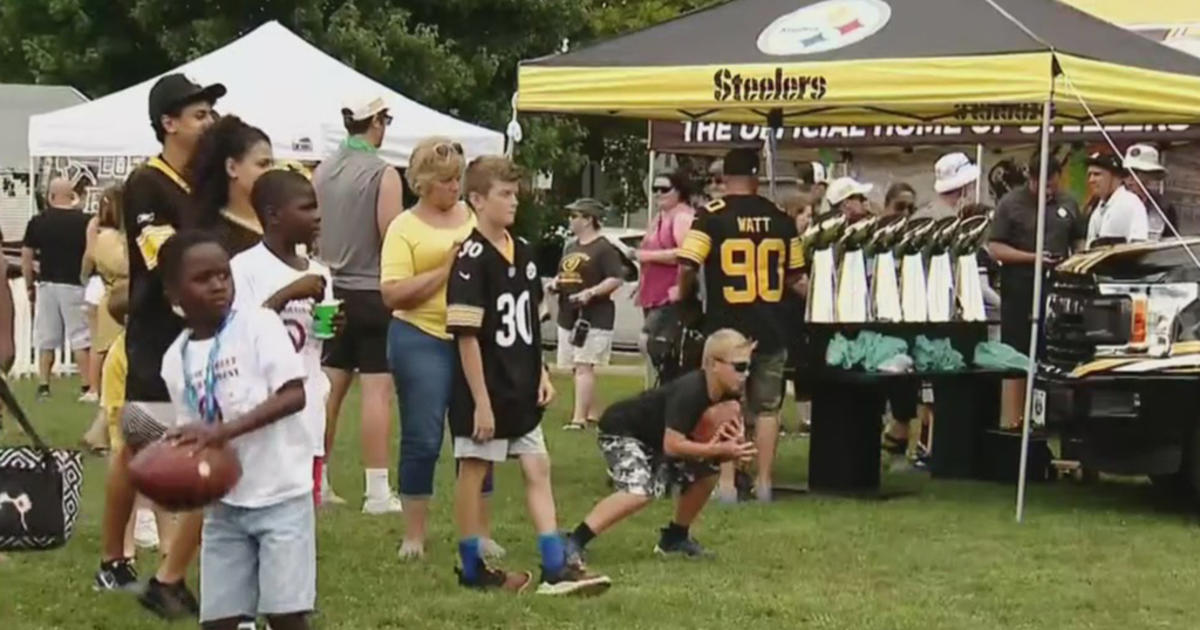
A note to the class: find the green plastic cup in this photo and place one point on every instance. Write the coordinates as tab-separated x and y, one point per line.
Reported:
323	315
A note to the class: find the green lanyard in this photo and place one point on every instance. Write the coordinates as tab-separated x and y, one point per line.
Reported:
358	144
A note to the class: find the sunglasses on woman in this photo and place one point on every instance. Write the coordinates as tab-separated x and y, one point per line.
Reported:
661	190
444	149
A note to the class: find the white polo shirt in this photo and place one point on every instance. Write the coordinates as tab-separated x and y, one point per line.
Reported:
1122	215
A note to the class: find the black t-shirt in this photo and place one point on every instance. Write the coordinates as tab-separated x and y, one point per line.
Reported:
157	203
58	237
1015	222
746	247
496	301
583	267
677	405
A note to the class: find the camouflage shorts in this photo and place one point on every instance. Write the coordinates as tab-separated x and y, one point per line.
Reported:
635	468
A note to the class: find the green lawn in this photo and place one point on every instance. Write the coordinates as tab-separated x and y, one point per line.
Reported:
948	556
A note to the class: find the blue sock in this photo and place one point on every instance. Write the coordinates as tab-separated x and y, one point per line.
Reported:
468	550
554	552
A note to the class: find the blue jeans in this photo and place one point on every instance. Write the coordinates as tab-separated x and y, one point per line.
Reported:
423	370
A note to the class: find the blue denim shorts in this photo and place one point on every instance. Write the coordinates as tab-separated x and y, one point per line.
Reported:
258	561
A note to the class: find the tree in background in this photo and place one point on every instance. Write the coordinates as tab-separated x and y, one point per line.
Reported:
458	56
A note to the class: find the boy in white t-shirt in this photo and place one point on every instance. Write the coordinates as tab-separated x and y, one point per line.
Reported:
234	377
272	275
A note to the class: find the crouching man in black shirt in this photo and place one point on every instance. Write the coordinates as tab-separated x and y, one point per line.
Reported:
646	446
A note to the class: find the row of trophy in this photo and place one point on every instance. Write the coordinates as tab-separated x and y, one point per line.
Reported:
938	274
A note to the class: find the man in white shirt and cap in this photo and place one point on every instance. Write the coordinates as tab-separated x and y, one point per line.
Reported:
1119	216
954	177
1142	161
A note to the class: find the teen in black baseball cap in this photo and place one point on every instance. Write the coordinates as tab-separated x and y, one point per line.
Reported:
173	94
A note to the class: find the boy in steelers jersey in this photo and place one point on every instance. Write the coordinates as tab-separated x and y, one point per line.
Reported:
502	385
750	253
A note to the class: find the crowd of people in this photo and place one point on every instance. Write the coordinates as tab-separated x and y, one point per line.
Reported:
190	303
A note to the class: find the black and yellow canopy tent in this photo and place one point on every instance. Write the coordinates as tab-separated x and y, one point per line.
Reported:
870	61
859	62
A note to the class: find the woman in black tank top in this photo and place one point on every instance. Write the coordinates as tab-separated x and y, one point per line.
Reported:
229	158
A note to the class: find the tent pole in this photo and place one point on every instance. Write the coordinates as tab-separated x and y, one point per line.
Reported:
771	147
1043	168
979	180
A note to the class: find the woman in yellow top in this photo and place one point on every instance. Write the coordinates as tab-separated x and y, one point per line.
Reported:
418	252
105	258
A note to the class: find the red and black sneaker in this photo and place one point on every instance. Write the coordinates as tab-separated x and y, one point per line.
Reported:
488	578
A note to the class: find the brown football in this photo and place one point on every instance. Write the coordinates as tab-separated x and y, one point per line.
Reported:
178	479
716	417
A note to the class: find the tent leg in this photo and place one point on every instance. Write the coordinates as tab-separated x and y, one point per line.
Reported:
1036	308
979	180
772	147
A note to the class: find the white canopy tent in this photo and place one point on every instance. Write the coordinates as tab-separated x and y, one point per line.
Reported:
297	103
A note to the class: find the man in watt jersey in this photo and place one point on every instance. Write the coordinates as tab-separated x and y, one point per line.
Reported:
750	252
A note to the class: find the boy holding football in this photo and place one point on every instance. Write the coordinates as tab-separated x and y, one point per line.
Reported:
273	275
502	386
234	377
647	445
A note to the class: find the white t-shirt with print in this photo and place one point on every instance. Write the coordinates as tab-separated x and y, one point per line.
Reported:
257	275
254	359
1122	215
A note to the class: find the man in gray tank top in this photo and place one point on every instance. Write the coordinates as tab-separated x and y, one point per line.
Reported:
359	194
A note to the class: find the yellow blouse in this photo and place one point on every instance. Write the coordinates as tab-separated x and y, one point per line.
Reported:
411	247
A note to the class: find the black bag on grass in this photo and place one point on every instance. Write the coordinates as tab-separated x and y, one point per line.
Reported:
39	489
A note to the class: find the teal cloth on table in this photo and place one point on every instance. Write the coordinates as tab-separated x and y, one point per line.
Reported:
995	355
936	355
869	349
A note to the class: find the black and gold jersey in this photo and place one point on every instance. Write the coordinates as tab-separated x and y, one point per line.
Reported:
494	296
746	247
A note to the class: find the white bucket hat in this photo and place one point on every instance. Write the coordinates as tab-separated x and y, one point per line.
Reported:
1143	158
953	171
843	188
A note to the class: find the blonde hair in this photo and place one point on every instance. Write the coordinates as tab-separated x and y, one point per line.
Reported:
722	343
435	158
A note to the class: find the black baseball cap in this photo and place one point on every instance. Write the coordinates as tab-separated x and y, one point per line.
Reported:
741	162
174	91
1110	162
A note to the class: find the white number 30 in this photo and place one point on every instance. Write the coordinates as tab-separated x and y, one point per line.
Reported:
514	319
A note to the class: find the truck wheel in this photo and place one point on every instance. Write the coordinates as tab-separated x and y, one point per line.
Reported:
1184	484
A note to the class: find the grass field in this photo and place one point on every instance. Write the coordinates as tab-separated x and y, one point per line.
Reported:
947	556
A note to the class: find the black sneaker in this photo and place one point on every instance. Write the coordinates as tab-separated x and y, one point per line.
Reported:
43	393
687	547
169	601
116	575
573	580
511	581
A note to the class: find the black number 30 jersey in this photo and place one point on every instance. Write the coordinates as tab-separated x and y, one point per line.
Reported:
495	297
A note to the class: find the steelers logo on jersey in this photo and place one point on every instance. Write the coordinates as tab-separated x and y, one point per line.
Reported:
531	271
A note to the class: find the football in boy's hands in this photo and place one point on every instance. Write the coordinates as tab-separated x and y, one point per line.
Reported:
180	478
716	418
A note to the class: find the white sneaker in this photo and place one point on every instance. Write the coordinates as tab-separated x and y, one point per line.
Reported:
329	497
389	505
491	550
145	530
90	397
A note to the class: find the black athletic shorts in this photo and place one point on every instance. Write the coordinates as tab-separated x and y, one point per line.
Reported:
362	346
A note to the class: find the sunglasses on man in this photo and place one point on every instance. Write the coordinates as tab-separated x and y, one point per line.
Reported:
741	367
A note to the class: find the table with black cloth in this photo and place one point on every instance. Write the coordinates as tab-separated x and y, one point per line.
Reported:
847	407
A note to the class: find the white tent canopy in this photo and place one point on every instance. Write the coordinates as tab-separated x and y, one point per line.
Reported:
298	104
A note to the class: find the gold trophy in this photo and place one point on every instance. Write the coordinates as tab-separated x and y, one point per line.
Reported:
940	283
885	285
819	241
911	250
968	286
852	292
